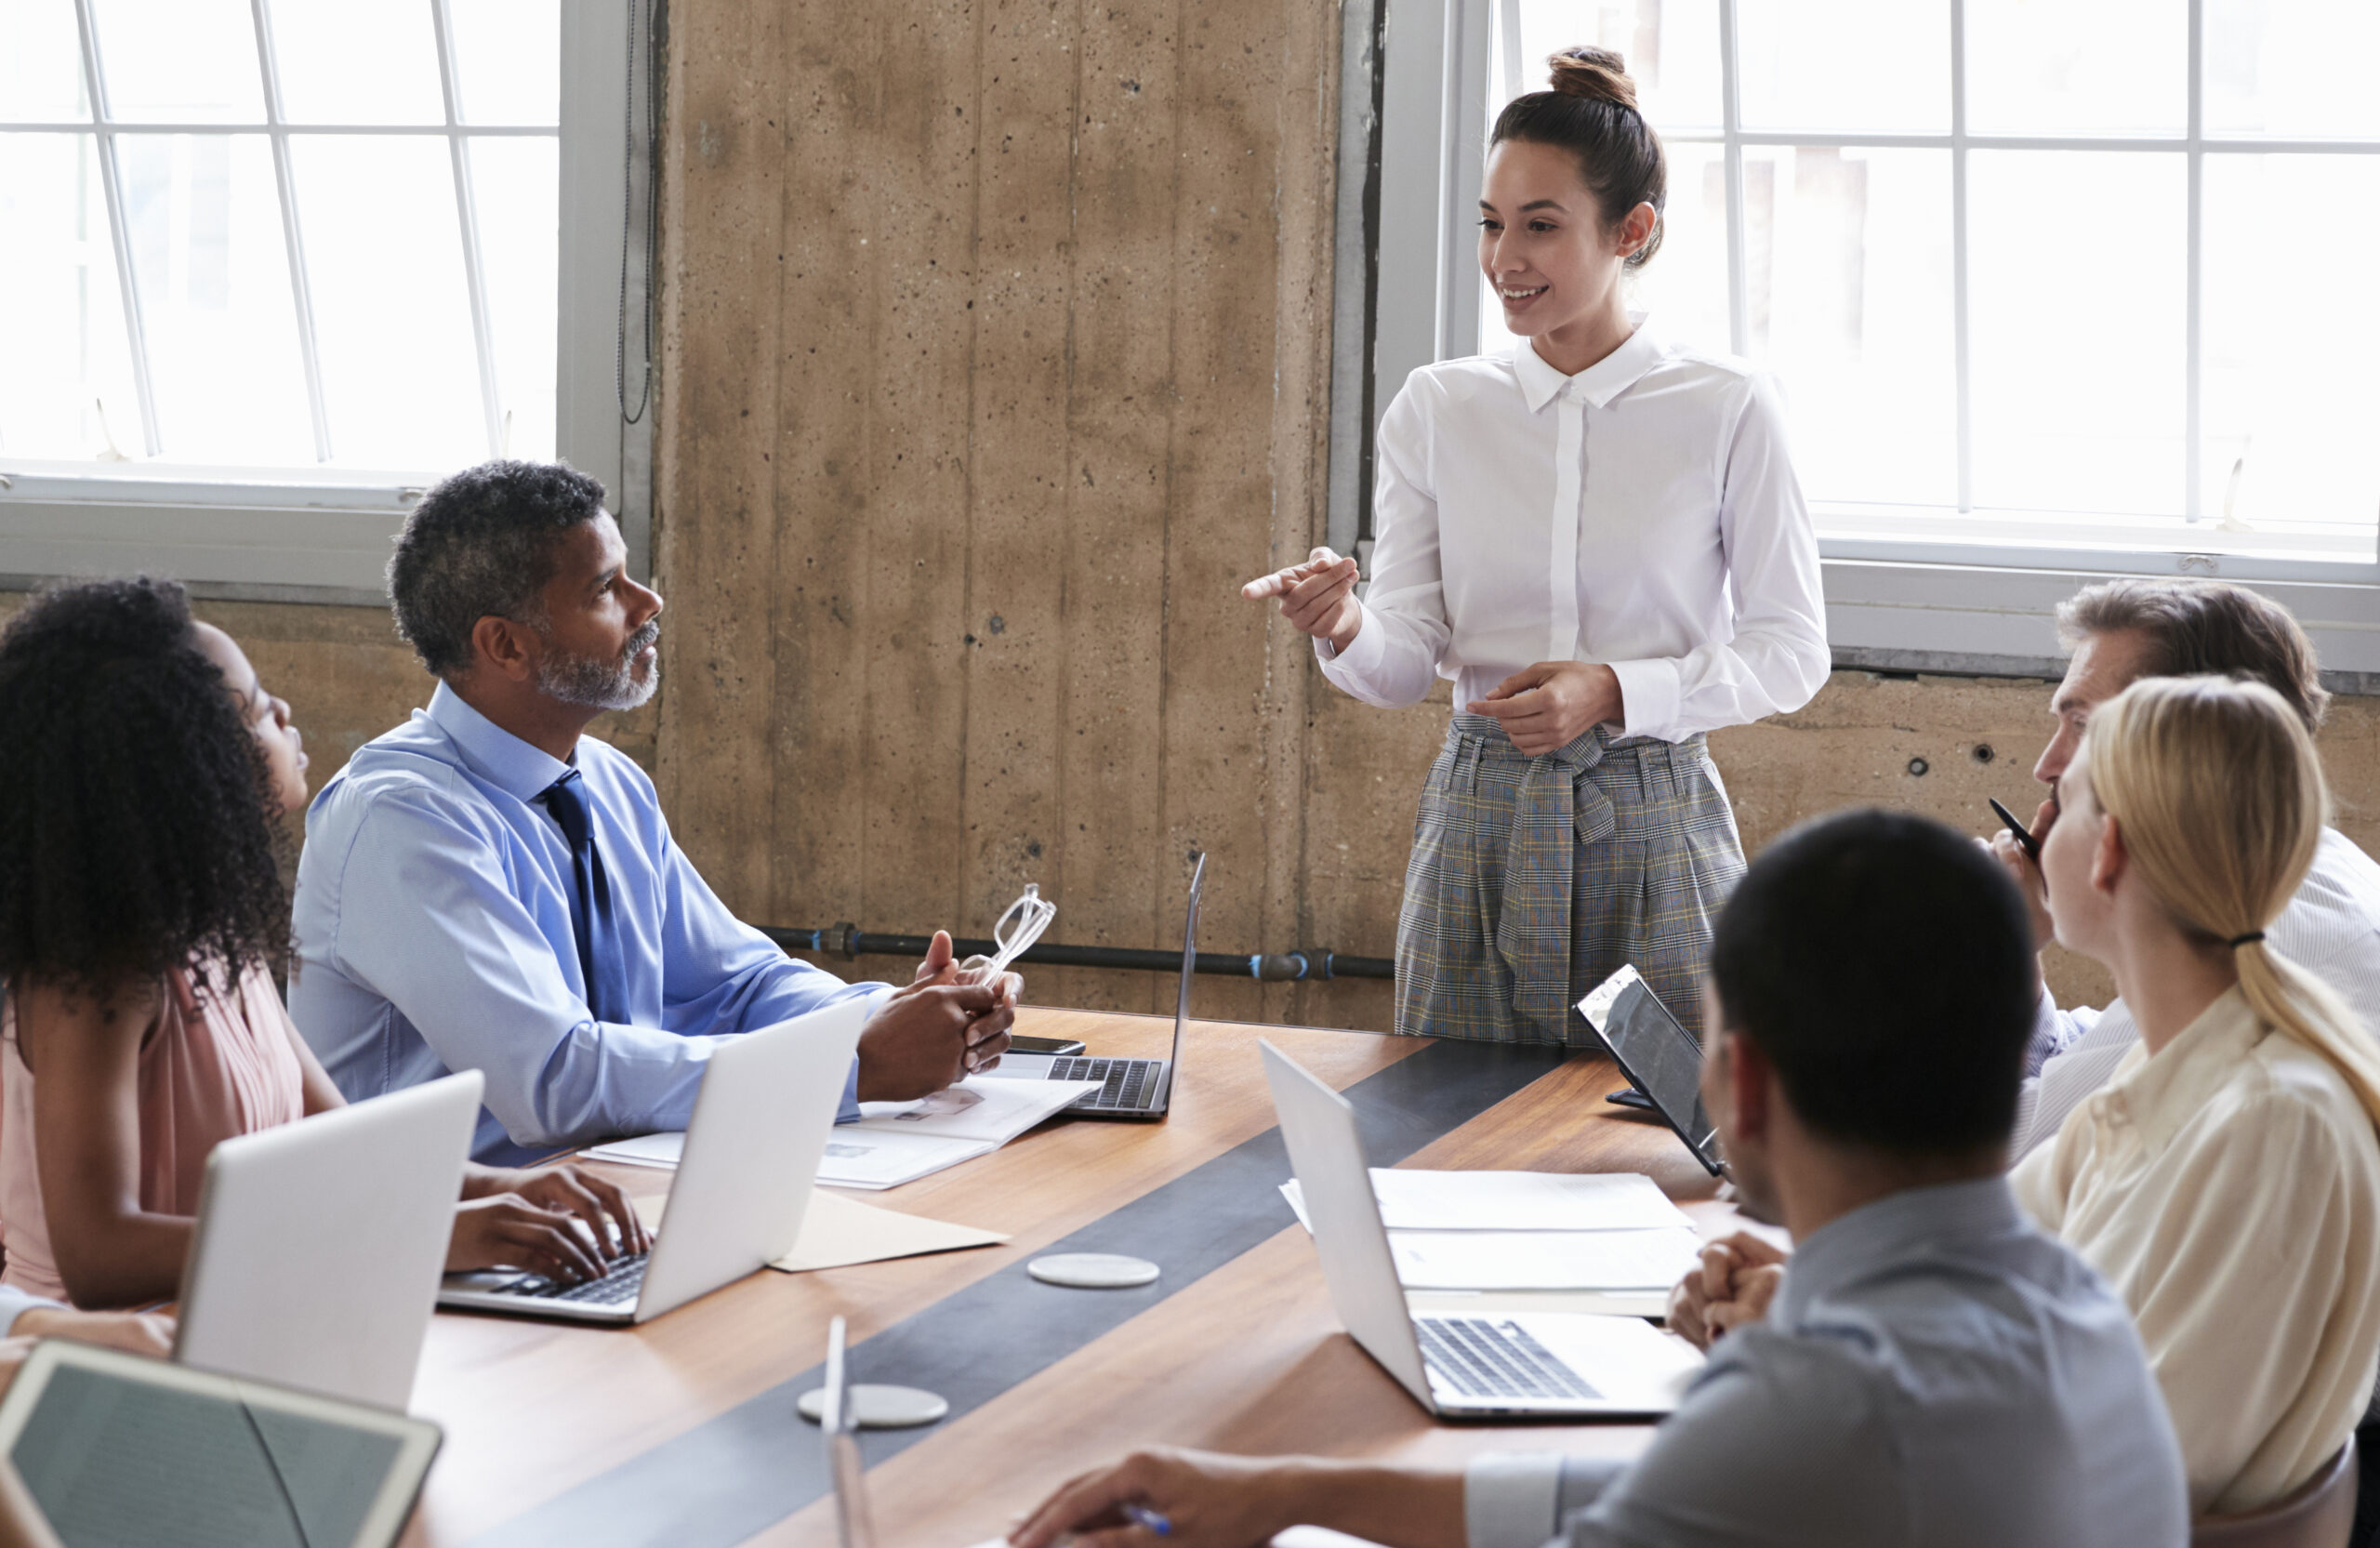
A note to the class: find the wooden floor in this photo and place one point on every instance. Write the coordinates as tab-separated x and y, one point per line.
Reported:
1247	1358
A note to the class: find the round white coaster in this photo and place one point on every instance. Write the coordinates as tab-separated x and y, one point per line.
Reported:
1092	1271
878	1407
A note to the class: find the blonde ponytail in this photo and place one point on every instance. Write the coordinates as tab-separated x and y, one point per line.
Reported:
2219	795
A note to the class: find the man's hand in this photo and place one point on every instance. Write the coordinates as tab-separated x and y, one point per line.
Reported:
1210	1502
1317	597
148	1334
930	1035
507	1231
2026	873
599	1205
1545	707
1732	1286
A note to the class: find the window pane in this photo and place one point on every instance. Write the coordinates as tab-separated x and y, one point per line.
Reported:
2301	68
212	263
507	56
516	182
1671	47
357	61
1872	66
180	61
2075	324
66	343
2291	325
392	314
41	63
1850	291
2078	66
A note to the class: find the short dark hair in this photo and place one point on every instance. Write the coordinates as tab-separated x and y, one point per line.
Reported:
138	834
2205	627
481	544
1884	965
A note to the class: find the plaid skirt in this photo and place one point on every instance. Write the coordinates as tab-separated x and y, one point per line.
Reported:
1533	880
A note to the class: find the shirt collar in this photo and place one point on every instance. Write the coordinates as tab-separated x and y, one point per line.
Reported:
1599	383
495	754
1894	1228
2157	1092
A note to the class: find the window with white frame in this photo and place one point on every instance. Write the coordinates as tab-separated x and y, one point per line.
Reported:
279	233
2039	276
271	265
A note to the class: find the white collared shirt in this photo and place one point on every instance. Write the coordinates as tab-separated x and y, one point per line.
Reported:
2228	1188
1642	514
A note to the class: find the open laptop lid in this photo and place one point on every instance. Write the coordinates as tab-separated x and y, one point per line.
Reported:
767	1104
1189	971
1327	1156
1659	1055
320	1244
108	1447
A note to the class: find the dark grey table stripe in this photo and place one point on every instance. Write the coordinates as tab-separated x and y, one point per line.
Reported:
758	1462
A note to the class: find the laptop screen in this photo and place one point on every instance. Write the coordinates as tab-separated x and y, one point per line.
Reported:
1189	971
1657	1054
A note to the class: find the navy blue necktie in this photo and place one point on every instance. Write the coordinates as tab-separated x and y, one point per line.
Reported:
601	965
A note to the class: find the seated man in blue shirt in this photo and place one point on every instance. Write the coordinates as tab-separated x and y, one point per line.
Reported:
485	888
1932	1372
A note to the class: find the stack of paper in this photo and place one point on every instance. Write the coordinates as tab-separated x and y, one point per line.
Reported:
1604	1231
898	1142
838	1232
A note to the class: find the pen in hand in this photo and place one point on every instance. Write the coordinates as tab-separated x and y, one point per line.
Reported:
1140	1516
2025	840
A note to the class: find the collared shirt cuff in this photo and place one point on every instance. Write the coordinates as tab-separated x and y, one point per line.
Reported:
1649	694
849	1111
15	1304
2050	1033
1362	655
1509	1499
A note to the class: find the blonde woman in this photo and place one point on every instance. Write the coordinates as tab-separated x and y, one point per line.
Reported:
2227	1181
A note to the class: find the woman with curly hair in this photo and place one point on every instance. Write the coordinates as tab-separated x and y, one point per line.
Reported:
141	908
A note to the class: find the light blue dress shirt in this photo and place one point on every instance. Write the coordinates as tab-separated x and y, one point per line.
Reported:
1934	1373
433	935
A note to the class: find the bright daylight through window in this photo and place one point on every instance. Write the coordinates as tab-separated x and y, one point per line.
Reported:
2024	281
277	239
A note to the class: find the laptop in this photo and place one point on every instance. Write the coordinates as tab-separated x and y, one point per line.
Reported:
1660	1057
1537	1365
752	1150
104	1448
319	1244
1133	1090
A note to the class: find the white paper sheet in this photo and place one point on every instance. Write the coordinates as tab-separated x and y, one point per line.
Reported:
861	1157
985	1110
1543	1259
1515	1201
645	1150
838	1232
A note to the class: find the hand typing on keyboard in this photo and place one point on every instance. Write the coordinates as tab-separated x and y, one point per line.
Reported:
563	1222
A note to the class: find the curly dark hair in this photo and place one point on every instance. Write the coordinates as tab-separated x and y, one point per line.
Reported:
137	835
481	544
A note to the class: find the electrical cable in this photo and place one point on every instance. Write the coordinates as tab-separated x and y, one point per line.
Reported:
627	209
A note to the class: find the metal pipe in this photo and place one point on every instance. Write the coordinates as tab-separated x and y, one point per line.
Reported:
850	942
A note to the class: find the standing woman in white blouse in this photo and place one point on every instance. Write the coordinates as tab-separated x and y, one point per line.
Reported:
1599	537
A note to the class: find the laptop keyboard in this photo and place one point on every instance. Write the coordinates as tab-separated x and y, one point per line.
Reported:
618	1286
1128	1085
1480	1358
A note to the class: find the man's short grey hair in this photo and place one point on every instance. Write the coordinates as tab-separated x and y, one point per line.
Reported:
481	544
2198	627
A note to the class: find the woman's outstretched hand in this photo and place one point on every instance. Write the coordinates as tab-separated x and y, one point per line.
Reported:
1317	597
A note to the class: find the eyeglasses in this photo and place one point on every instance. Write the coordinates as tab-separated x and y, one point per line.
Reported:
1015	932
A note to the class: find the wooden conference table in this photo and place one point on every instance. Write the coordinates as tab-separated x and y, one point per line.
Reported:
683	1431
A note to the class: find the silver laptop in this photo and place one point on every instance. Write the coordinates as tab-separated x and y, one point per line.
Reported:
319	1243
1532	1365
743	1182
104	1449
1131	1090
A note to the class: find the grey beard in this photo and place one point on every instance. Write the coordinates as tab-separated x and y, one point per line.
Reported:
594	684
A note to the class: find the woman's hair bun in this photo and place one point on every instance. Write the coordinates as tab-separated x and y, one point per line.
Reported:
1597	74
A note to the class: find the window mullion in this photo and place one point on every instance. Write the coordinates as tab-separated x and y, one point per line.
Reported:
2194	496
1732	159
112	186
467	215
1509	23
300	289
1962	361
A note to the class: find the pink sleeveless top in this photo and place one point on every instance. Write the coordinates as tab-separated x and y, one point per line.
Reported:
218	1062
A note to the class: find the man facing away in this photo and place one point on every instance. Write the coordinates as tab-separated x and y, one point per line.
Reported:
1932	1370
2121	631
485	888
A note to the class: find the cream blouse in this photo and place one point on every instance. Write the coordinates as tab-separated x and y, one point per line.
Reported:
2228	1189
